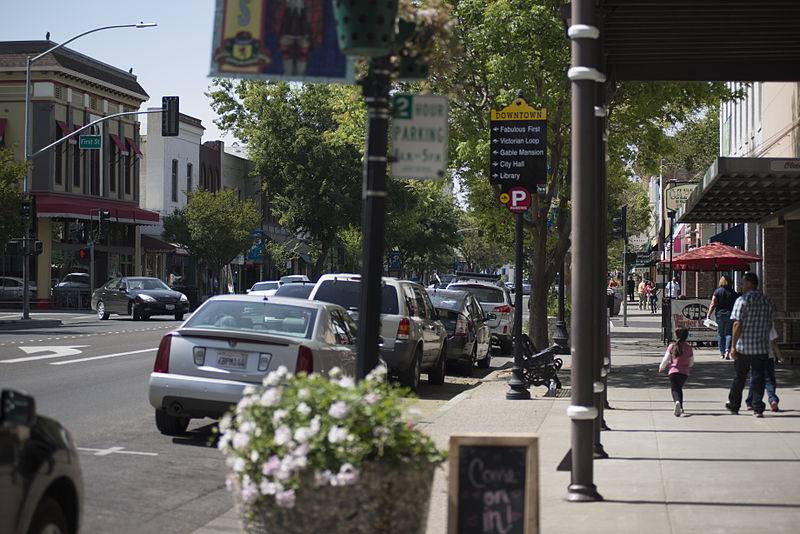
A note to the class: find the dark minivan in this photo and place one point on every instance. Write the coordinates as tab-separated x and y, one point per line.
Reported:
468	334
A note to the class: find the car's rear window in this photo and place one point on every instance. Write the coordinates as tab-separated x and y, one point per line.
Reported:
445	302
482	293
264	286
347	294
262	317
298	291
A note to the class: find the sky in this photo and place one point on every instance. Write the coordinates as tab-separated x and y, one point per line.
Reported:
171	59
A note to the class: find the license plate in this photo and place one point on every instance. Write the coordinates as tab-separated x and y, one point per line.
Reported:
170	306
232	360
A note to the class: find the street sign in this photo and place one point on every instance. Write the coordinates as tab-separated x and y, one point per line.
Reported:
278	41
518	146
90	142
517	199
394	260
419	136
676	196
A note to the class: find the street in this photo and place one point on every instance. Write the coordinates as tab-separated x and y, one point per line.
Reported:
136	480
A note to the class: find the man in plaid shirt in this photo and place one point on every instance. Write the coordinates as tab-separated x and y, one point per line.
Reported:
752	314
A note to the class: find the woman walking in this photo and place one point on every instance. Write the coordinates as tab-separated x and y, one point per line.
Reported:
678	359
722	302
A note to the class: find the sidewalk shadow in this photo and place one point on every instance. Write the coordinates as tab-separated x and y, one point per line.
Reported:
704	503
711	374
455	384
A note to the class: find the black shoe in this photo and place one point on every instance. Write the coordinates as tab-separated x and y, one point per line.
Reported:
730	407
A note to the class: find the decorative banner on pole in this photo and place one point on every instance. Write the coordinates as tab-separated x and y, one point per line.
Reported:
419	136
278	40
518	146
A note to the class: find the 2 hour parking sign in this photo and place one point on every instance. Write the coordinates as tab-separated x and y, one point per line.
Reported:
518	156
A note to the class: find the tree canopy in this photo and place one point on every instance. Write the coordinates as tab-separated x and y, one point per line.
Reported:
12	172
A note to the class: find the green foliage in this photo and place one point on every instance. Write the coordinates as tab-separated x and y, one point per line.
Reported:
214	226
477	250
307	142
694	146
282	253
350	238
312	430
12	173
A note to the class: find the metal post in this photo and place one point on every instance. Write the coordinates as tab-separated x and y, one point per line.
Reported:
375	87
561	336
583	76
625	280
518	389
26	258
668	302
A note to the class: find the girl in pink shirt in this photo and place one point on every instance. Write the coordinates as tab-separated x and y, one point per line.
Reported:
678	358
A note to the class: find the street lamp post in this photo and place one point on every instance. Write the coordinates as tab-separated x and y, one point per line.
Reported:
26	304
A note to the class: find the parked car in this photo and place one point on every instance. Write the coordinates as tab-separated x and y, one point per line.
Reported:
293	278
40	475
468	334
264	289
233	341
74	281
526	287
140	297
495	300
298	290
11	288
413	336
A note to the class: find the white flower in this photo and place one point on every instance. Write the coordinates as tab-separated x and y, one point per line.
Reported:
337	434
304	409
247	426
271	466
315	424
372	398
254	456
303	393
278	415
224	441
249	490
334	372
270	488
303	434
283	434
248	390
225	423
347	382
322	477
238	465
347	475
240	440
286	468
285	498
271	397
338	410
229	482
378	374
272	379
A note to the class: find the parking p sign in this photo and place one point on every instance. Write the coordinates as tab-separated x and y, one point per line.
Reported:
519	199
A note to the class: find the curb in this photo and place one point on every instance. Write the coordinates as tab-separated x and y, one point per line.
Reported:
19	324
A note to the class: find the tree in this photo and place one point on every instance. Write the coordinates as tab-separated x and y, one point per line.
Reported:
12	172
477	251
214	226
306	140
511	45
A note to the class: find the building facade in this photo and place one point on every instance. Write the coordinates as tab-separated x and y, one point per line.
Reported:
70	185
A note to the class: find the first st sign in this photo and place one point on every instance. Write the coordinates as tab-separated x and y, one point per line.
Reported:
92	142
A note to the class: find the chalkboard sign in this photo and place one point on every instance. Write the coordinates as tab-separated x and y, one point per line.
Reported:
494	484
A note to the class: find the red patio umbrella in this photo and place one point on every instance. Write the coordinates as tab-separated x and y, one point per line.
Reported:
713	257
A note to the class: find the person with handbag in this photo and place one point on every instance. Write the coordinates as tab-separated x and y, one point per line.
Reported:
678	359
722	303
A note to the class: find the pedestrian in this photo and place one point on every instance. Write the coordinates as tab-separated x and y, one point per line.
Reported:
678	359
673	289
642	290
653	299
722	303
769	375
631	287
752	316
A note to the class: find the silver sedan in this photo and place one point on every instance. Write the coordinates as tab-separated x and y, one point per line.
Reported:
233	341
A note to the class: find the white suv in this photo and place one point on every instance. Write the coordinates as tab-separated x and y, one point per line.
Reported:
495	300
413	336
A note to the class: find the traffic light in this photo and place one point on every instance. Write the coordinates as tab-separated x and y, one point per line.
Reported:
38	247
83	254
620	224
169	116
25	209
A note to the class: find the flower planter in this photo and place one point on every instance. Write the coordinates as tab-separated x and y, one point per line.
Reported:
365	27
385	498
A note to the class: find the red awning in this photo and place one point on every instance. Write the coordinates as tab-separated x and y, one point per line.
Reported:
2	130
66	130
52	205
120	145
134	147
714	257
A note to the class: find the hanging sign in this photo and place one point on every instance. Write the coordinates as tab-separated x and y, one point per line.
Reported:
676	196
419	136
517	199
278	40
518	146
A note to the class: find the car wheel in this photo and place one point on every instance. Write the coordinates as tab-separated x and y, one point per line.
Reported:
486	362
101	311
437	373
171	425
49	518
469	366
179	317
410	377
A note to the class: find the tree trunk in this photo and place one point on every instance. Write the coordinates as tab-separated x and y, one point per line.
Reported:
316	268
540	286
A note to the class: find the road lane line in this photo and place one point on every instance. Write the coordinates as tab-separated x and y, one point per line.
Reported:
114	450
104	356
57	351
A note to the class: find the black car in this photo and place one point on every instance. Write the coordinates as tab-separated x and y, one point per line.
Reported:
297	289
139	297
41	490
468	334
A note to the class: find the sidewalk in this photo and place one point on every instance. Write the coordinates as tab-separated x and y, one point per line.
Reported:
706	472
